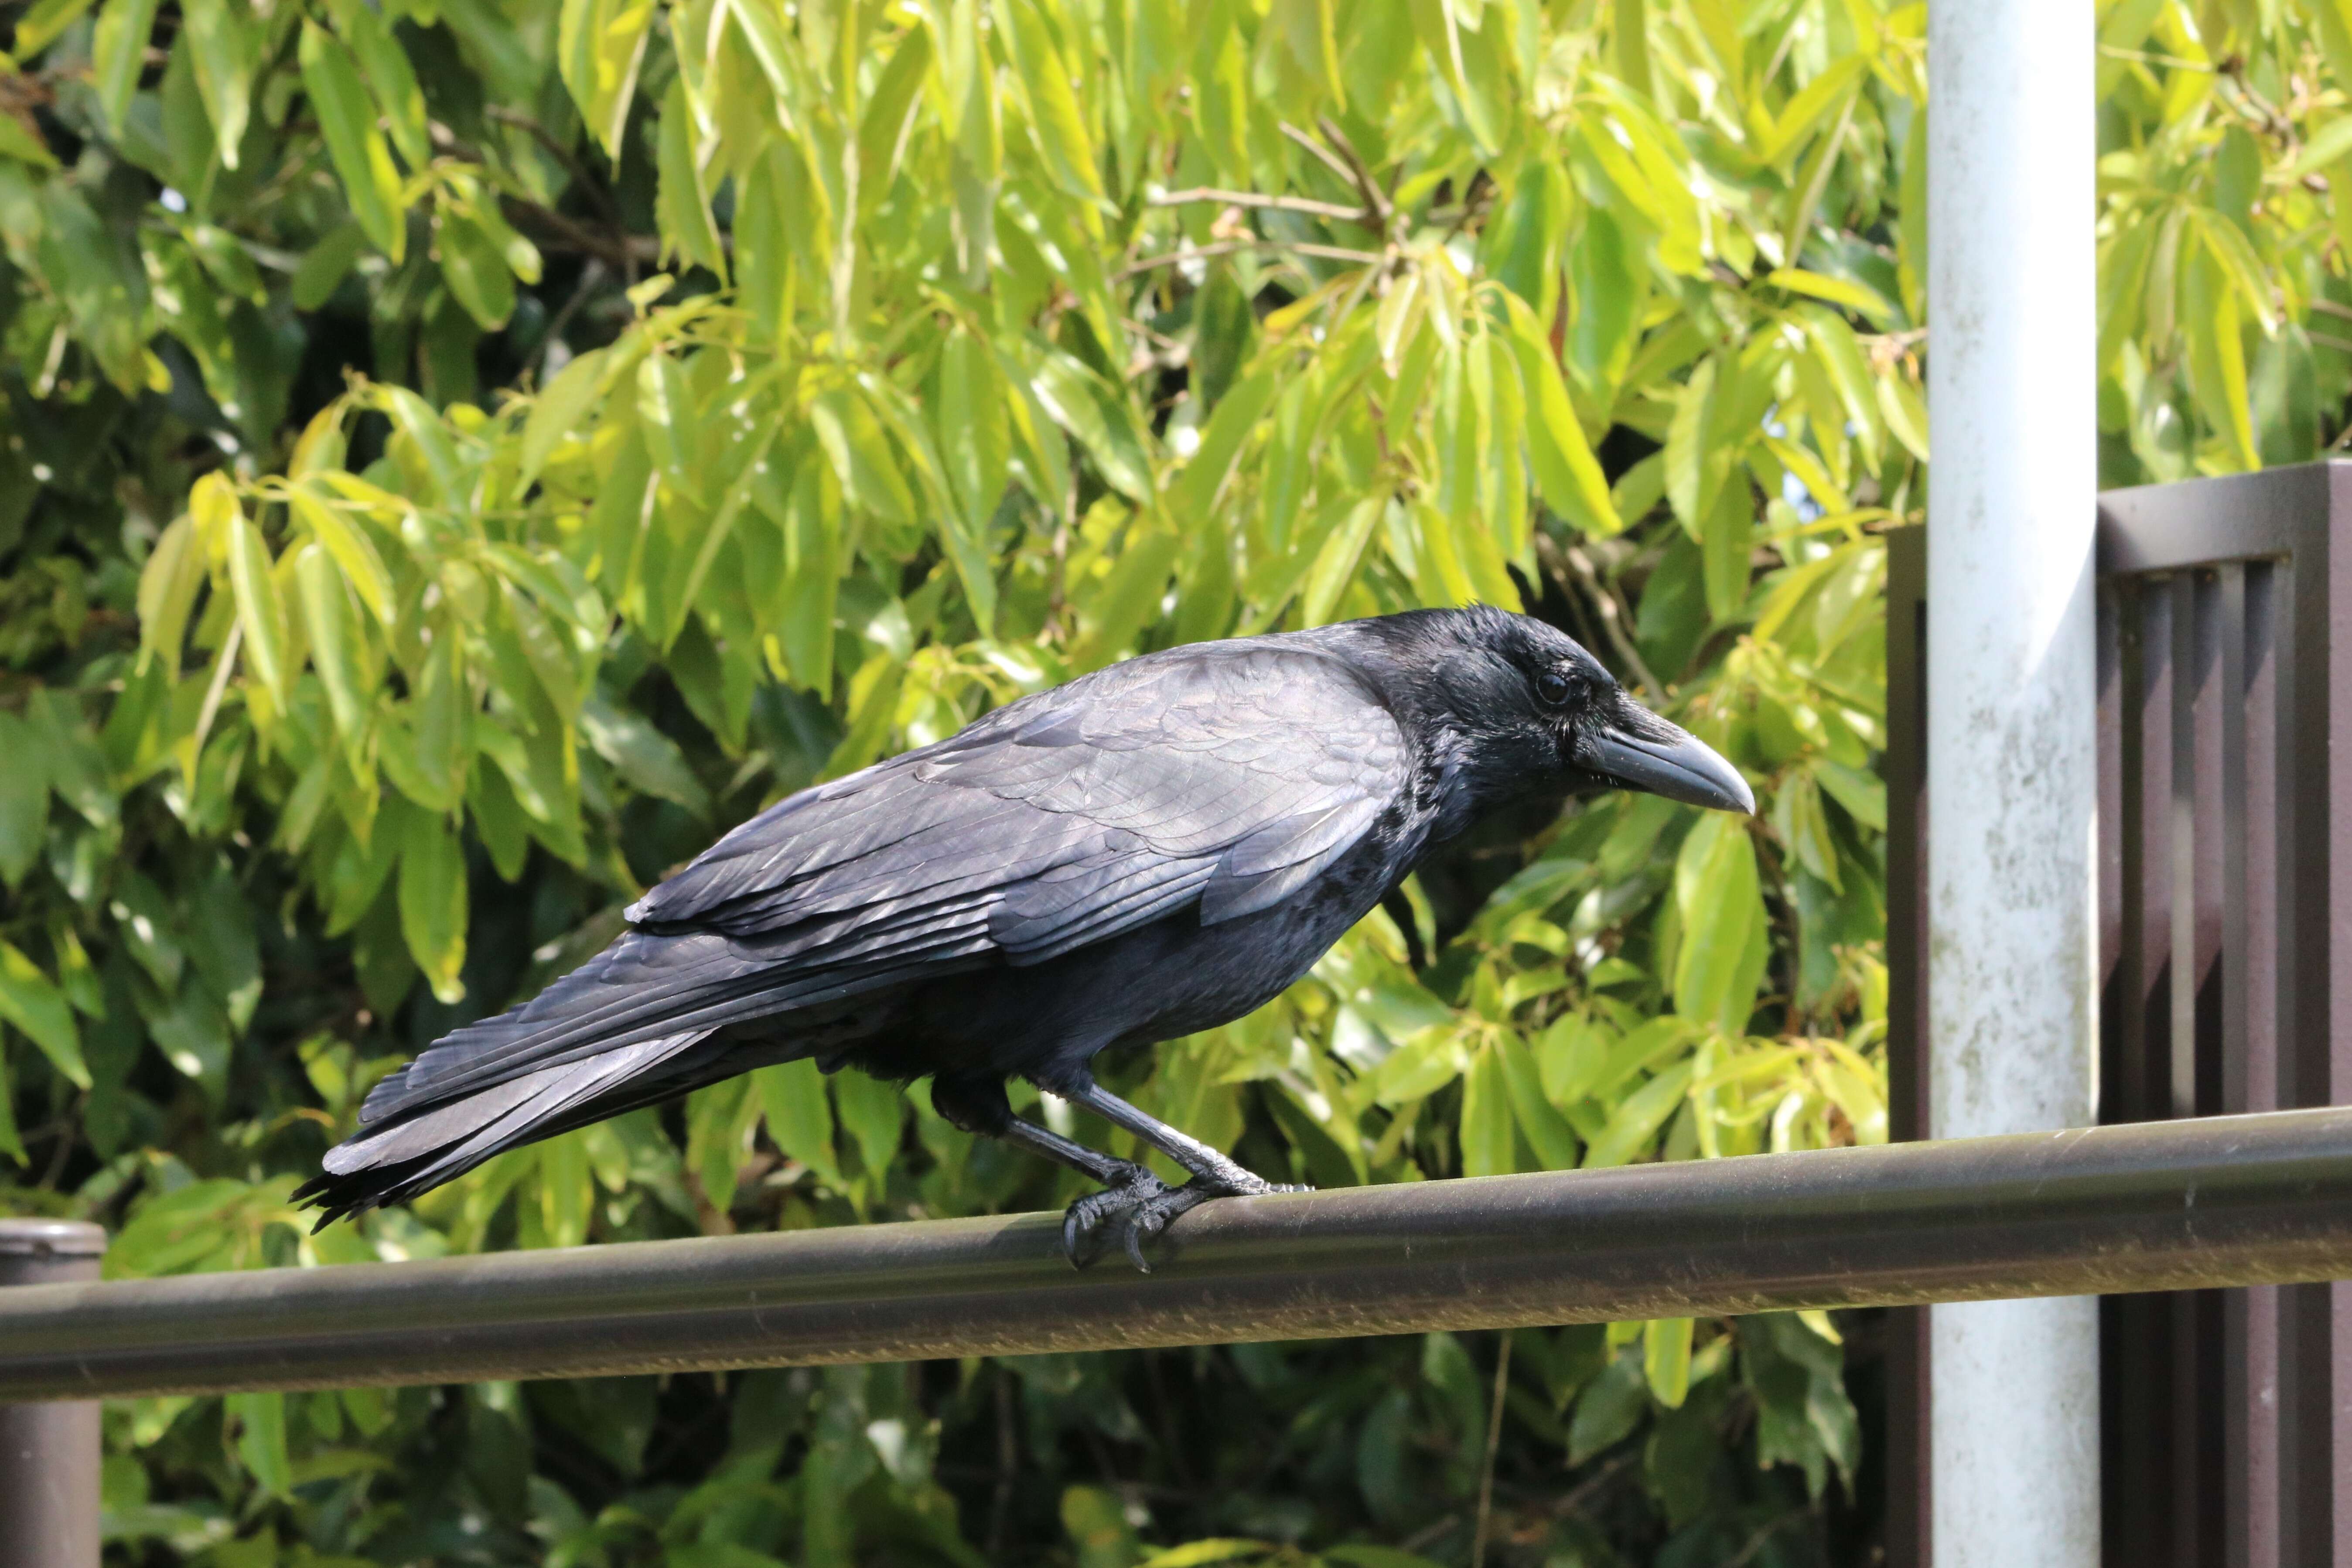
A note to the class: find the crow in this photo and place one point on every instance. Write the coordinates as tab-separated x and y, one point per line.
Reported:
1147	851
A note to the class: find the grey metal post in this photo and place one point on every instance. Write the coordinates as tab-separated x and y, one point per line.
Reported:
2012	734
49	1454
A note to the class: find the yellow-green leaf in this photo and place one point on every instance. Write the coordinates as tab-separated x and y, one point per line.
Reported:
350	547
38	1009
117	55
433	902
225	39
1724	938
1565	469
347	116
334	637
260	610
683	203
1666	1359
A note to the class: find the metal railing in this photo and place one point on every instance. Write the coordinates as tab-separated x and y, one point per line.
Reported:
2188	1205
2165	1205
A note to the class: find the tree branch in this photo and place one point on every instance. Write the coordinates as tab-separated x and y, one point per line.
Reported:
1361	172
1614	613
1228	246
1330	159
562	155
1363	215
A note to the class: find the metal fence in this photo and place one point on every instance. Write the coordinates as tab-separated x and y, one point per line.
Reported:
2223	693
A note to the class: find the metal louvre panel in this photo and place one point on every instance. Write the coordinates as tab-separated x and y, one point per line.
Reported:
2225	694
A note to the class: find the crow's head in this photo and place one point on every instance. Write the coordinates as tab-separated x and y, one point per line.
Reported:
1541	716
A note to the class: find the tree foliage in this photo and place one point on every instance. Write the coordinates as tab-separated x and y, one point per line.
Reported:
461	455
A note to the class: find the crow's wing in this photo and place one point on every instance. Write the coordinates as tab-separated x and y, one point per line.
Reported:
1225	776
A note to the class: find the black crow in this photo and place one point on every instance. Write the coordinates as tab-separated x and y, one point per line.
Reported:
1150	850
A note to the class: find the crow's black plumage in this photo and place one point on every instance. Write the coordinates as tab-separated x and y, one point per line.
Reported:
1152	849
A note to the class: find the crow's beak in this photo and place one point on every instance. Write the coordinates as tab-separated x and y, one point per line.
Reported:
1645	753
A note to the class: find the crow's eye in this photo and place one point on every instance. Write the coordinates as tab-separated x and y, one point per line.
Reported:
1552	687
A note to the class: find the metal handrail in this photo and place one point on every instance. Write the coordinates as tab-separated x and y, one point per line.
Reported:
2225	1201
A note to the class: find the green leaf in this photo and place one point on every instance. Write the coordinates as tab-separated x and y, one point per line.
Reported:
1238	416
1192	1554
1054	116
12	1142
1842	360
1863	795
1570	476
347	116
39	1011
889	120
1635	1122
1487	1123
40	25
391	79
557	410
17	142
1335	561
260	1421
1666	1359
800	1116
1836	290
873	1113
1100	419
225	43
1545	1130
490	43
1816	103
683	203
336	650
327	264
441	728
1687	467
353	551
260	610
1122	604
433	902
717	1120
472	265
2327	143
600	44
2244	268
861	456
650	759
1720	962
167	591
23	798
1609	1409
665	418
567	1191
1726	541
2217	357
119	54
974	426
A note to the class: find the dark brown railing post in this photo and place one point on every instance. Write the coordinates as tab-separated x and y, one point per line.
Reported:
48	1453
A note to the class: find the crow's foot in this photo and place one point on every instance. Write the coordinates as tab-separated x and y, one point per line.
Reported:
1088	1224
1139	1206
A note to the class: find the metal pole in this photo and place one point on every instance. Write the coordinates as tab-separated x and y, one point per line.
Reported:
2012	503
49	1454
2161	1205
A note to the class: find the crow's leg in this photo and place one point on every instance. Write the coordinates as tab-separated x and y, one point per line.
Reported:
978	1105
1143	1213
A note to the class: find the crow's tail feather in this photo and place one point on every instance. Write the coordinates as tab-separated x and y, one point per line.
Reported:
402	1155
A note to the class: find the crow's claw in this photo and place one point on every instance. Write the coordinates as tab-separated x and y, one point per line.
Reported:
1141	1209
1083	1223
